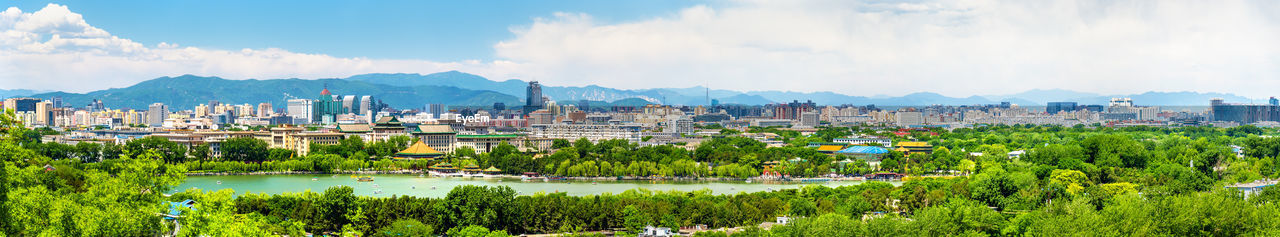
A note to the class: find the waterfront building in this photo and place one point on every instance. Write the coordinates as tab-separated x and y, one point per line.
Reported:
486	143
301	142
440	136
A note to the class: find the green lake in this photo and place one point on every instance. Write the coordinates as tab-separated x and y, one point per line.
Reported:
412	185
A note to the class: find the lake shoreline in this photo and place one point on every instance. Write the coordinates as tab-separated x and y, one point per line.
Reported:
583	178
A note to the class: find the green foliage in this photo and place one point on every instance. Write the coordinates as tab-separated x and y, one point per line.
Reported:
244	149
405	227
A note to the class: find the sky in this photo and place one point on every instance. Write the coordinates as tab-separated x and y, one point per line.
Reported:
954	47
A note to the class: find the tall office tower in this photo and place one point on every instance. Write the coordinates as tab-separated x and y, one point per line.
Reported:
44	113
367	106
300	110
21	104
499	107
436	110
156	113
533	97
213	107
57	101
265	110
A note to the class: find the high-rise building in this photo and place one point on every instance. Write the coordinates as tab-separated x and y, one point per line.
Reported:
44	113
533	97
213	107
95	106
909	118
680	125
1243	113
265	110
57	101
300	110
499	106
809	119
350	104
367	106
1055	107
156	113
326	108
201	111
584	105
436	110
21	104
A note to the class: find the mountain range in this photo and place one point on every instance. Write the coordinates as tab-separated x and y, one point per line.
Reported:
407	91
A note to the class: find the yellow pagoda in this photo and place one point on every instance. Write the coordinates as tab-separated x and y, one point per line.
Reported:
418	150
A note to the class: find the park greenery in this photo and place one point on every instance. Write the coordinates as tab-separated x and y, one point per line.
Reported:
1071	181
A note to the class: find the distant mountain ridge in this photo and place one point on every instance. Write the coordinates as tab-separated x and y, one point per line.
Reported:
698	95
187	91
406	91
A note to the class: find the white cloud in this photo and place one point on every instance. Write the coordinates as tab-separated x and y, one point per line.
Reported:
956	48
54	48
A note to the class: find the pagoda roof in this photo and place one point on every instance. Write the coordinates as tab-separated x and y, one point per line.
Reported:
433	128
388	120
419	148
358	127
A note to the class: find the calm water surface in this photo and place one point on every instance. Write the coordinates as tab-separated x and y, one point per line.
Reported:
412	185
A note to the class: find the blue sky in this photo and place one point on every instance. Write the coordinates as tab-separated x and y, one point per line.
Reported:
853	47
431	30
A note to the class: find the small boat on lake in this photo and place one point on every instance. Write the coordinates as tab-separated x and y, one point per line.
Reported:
365	179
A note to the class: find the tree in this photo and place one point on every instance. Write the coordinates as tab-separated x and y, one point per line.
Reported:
279	154
405	227
560	143
244	149
170	152
201	152
337	207
1072	181
633	219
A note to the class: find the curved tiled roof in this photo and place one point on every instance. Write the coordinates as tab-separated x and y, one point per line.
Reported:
419	149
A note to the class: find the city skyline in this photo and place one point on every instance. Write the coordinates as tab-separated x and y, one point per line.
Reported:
867	49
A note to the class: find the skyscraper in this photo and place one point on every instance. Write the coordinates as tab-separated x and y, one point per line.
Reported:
533	99
265	110
44	112
436	110
300	110
213	107
156	113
